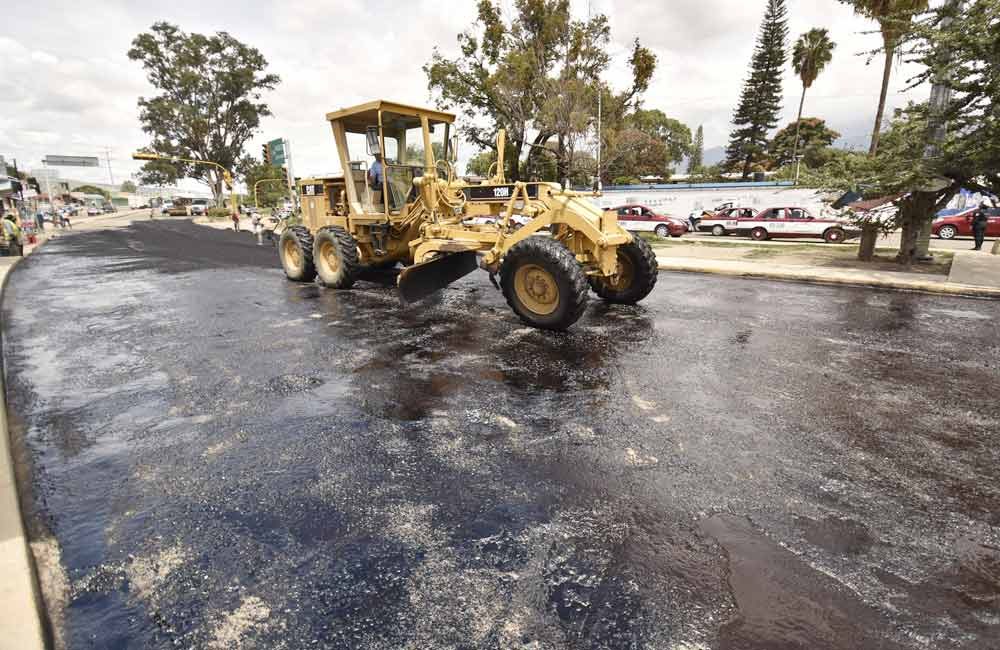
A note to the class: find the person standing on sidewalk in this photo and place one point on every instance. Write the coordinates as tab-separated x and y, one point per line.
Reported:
236	222
12	233
979	221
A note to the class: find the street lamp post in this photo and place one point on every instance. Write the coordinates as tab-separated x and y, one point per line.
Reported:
227	177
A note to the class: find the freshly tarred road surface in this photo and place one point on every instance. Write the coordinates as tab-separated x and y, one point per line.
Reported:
218	458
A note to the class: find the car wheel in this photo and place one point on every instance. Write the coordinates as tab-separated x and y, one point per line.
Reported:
718	231
947	232
758	234
834	236
662	232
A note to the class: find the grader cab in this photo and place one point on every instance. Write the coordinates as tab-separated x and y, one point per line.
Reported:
400	201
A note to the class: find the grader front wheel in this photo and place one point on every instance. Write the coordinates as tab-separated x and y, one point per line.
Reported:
544	284
636	277
296	251
335	252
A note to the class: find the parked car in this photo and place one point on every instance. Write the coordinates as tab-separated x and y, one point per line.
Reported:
178	211
639	218
715	221
93	211
954	223
108	208
782	222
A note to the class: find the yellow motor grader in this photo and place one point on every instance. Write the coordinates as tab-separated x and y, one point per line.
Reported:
403	203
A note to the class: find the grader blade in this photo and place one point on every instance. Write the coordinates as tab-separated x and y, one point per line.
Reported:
421	280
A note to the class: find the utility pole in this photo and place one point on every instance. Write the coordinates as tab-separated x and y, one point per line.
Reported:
107	156
937	130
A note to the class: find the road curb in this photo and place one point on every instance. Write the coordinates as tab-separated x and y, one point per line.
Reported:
22	611
919	286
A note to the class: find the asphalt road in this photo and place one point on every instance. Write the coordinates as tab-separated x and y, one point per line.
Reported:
228	460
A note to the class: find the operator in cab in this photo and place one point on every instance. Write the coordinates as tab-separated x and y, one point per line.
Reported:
376	178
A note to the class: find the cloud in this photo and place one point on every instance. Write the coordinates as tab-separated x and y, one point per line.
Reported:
69	87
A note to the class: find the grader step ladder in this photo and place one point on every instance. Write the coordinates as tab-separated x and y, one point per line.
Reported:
403	203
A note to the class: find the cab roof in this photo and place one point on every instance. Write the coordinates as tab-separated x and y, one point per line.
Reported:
364	115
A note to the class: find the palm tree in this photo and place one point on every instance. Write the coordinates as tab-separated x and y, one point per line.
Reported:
893	17
811	53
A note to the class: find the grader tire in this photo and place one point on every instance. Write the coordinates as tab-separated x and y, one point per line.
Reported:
639	272
544	284
335	252
295	248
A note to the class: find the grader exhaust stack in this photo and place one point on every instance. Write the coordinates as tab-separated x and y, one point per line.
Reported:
548	246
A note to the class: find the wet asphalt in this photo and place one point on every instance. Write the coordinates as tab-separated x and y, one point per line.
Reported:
225	459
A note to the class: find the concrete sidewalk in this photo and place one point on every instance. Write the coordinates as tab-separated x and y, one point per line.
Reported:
21	608
856	277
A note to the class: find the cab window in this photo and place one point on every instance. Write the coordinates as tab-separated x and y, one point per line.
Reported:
773	213
798	213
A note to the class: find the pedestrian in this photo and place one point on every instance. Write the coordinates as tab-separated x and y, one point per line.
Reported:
979	221
12	235
236	222
256	221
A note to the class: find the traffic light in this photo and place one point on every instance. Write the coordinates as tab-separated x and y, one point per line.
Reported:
266	149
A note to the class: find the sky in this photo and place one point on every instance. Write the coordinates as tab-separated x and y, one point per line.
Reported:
68	87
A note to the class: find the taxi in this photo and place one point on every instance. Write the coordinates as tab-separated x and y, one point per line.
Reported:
778	222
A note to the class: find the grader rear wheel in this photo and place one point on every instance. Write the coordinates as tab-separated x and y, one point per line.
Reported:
636	277
295	248
336	254
544	284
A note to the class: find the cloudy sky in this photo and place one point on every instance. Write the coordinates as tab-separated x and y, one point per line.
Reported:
67	86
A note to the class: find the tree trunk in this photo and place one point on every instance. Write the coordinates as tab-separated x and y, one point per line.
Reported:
886	74
746	166
513	161
866	249
798	125
915	210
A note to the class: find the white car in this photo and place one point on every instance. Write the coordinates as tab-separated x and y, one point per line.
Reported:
93	211
780	222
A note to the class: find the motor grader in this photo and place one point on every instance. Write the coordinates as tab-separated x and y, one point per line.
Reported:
547	245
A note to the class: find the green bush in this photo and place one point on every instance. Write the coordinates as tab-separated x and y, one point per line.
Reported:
215	214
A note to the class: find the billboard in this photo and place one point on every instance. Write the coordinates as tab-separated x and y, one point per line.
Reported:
72	161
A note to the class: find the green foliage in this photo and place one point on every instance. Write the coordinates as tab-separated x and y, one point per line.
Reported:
811	54
697	160
674	134
813	136
534	71
268	193
626	180
208	103
128	187
760	101
216	214
91	189
480	163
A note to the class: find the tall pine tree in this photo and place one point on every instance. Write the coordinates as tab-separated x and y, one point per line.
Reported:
697	159
760	102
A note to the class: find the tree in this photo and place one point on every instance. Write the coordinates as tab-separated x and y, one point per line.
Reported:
535	74
894	18
811	132
674	134
697	160
209	102
480	163
812	52
760	101
128	187
91	189
268	194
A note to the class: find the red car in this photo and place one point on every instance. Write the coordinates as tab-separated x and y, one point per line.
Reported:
952	223
639	218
